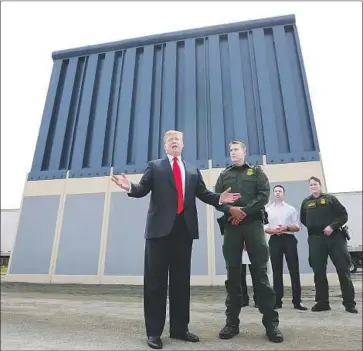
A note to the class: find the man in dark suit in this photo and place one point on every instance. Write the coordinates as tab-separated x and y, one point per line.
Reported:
171	227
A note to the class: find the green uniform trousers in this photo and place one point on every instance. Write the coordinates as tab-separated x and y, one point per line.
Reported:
334	246
252	233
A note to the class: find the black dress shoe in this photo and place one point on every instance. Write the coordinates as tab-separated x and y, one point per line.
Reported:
184	336
351	309
155	342
319	307
274	335
300	307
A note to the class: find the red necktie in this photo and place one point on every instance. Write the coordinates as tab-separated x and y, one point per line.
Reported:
179	186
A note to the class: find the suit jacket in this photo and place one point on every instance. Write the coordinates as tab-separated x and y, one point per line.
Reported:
159	180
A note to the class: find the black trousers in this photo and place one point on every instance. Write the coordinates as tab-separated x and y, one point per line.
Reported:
168	257
334	246
280	245
245	297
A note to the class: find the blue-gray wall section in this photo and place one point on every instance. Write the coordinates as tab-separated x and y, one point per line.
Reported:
295	193
34	240
125	239
80	238
109	105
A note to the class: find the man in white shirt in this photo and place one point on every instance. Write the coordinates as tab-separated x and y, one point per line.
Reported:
283	223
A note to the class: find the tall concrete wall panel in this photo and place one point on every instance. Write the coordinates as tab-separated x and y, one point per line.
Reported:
109	105
34	241
106	111
82	223
125	235
96	233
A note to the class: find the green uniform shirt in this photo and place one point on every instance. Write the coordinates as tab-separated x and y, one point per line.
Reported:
318	213
253	185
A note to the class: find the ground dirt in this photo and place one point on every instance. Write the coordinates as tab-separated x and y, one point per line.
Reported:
90	317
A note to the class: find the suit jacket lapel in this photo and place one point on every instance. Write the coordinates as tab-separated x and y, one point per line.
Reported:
187	177
169	171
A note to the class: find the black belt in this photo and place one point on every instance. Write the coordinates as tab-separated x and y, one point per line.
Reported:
284	235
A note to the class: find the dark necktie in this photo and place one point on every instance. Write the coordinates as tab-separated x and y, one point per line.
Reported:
179	185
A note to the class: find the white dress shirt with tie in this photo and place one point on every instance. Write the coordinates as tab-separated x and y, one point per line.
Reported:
182	170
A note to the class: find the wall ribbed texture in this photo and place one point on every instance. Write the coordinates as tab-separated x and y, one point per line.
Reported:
109	105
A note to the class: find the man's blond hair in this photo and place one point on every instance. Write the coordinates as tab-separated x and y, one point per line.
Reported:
171	132
236	142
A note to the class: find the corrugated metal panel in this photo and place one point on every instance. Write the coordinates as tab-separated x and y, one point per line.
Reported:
109	105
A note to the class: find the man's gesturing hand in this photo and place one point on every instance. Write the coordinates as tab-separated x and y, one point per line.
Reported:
121	181
229	198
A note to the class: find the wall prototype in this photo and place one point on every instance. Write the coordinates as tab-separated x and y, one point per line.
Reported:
109	105
106	111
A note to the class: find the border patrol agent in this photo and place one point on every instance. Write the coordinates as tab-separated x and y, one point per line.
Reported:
324	216
253	185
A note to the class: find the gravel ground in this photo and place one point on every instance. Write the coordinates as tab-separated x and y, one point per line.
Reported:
81	317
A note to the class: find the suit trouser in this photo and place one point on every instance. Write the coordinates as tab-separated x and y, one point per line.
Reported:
165	257
253	234
334	246
280	245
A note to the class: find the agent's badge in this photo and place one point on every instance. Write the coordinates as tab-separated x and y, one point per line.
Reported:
250	172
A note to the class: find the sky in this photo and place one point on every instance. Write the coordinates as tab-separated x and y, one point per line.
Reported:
331	41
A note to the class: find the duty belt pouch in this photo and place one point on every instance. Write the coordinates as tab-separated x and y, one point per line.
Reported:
265	216
344	231
221	221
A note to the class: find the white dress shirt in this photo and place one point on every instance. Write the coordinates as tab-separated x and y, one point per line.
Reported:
282	214
182	170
